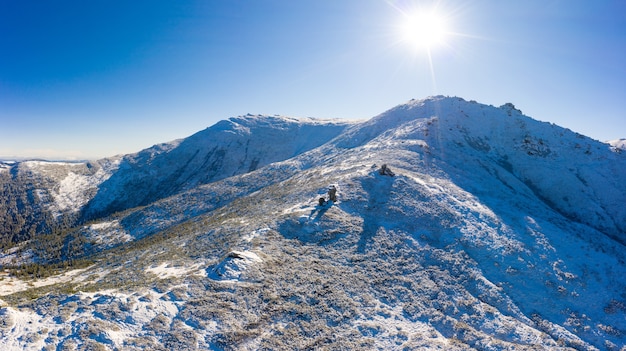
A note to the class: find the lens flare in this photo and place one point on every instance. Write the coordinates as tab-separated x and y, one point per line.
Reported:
424	29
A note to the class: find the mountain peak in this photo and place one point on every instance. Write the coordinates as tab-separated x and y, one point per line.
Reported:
489	230
231	147
618	145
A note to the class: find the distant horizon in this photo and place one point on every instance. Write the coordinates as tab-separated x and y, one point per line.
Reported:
88	80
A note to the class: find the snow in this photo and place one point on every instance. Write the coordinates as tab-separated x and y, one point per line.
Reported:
45	165
256	234
618	144
497	232
232	147
233	266
23	323
15	255
72	189
38	330
106	233
66	187
5	167
164	270
71	192
11	285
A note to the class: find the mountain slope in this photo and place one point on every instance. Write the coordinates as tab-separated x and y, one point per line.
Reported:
469	246
231	147
41	196
577	176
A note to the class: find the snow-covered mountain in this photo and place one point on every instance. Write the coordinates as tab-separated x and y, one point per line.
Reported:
619	144
40	196
57	194
496	232
235	146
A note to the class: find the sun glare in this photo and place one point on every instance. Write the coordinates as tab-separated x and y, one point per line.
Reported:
424	29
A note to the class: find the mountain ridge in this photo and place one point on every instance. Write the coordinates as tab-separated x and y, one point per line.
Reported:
470	245
204	153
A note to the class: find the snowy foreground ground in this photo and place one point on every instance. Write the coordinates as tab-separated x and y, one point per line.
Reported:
497	232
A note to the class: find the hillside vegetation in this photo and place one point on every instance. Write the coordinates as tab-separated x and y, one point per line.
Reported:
490	231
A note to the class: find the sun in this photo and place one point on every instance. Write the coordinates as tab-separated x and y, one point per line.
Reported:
423	29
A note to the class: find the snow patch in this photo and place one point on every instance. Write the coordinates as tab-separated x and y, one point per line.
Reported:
12	285
255	234
16	256
71	195
234	265
106	311
164	270
107	233
618	145
5	167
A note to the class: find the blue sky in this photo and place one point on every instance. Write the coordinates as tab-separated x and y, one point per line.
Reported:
89	79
